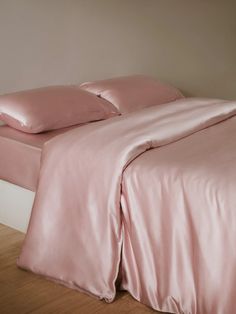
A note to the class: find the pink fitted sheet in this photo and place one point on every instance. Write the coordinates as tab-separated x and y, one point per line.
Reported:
20	155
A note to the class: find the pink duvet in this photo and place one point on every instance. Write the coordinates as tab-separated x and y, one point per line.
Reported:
170	210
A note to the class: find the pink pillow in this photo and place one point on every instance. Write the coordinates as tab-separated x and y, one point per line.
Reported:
133	92
53	107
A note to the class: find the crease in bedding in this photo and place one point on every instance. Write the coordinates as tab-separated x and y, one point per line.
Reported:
75	234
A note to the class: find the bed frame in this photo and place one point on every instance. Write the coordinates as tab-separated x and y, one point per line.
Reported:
15	205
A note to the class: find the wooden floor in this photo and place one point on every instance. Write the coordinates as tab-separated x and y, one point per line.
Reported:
22	292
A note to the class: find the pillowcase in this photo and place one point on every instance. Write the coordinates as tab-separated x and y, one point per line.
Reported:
53	107
133	92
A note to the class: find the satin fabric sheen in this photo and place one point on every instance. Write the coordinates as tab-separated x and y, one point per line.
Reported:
53	107
179	207
131	93
80	219
21	154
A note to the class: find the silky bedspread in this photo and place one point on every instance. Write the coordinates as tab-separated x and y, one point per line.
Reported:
179	209
81	222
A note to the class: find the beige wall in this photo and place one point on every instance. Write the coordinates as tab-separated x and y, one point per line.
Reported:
190	43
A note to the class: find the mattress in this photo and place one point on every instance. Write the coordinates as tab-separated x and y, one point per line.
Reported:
20	155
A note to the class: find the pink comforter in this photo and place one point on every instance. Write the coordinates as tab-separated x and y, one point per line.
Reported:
171	211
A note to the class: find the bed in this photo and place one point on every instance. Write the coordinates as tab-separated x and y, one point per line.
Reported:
149	193
166	230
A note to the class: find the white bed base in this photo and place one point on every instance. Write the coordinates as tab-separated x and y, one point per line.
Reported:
15	205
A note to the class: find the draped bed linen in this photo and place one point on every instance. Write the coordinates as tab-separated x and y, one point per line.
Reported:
179	208
80	221
20	155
